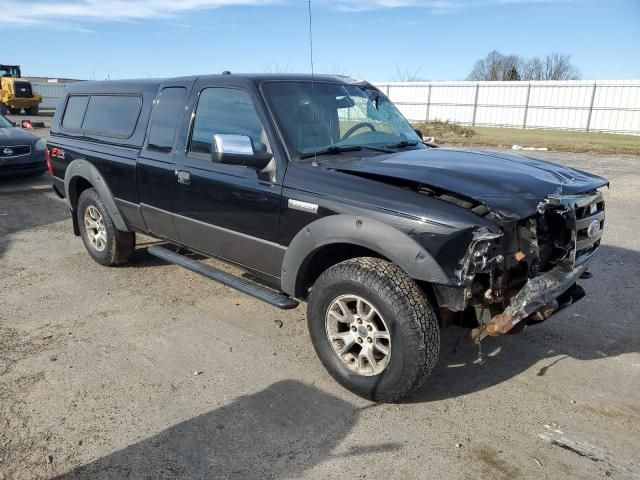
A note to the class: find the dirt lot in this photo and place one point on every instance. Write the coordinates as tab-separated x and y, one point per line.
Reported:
97	372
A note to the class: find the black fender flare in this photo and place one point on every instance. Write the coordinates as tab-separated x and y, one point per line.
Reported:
374	235
82	168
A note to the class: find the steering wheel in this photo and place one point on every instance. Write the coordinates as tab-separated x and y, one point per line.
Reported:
358	126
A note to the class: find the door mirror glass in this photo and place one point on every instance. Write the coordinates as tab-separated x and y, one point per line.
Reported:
237	150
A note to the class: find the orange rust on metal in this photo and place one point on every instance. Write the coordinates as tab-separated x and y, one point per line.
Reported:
499	325
503	322
535	317
548	309
544	313
519	256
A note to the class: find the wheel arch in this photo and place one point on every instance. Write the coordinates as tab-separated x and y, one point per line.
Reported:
331	240
81	175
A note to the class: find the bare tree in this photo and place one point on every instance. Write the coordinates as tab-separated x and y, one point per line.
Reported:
336	69
277	68
531	69
496	66
558	66
406	75
487	68
510	67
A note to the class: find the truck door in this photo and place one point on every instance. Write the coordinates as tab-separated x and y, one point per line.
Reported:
155	167
229	211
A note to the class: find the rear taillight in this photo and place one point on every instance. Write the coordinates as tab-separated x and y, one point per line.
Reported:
47	157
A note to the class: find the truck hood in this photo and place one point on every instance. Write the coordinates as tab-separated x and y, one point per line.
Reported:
16	136
508	185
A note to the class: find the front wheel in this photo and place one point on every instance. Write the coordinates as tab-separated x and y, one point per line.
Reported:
107	245
373	328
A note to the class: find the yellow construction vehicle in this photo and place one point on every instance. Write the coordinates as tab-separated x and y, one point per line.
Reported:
16	93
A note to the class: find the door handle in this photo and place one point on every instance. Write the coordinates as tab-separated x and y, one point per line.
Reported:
183	177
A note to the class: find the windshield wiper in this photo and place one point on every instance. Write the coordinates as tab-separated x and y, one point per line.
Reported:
332	150
337	149
403	144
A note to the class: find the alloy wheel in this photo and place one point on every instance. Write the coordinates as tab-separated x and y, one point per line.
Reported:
358	334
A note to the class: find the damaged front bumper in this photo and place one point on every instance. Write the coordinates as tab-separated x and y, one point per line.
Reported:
526	270
538	296
566	234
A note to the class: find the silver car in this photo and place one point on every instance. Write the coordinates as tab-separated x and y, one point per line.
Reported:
21	152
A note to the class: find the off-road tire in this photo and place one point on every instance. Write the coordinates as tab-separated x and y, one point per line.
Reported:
3	109
32	110
119	245
15	111
410	318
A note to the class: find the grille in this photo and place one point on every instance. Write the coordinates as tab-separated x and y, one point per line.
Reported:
589	225
14	151
22	167
22	89
586	223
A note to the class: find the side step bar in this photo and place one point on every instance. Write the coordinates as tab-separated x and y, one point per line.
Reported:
274	298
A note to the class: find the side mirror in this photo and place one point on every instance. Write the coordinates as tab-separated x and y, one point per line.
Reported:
419	133
237	150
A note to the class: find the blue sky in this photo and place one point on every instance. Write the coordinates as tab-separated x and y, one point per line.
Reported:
371	39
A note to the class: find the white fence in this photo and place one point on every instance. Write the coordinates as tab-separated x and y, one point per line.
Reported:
51	93
585	105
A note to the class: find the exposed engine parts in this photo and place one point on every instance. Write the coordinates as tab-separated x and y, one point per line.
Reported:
519	273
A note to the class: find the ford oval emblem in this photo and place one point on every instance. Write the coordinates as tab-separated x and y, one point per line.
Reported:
593	229
7	151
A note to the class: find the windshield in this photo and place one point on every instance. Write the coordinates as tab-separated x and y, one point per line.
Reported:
4	123
9	71
339	116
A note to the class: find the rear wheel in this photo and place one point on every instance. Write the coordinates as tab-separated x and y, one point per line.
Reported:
373	328
3	109
106	245
32	110
15	111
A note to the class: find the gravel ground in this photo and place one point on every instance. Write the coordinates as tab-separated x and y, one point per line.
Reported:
149	371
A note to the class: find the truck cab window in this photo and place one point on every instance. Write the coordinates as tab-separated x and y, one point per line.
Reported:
112	115
74	113
225	111
166	115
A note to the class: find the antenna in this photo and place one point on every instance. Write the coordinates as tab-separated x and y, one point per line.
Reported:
313	104
310	38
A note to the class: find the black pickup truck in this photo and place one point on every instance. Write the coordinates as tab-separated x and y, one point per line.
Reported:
322	191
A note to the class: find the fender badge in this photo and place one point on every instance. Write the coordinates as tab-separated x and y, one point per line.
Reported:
302	206
57	152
